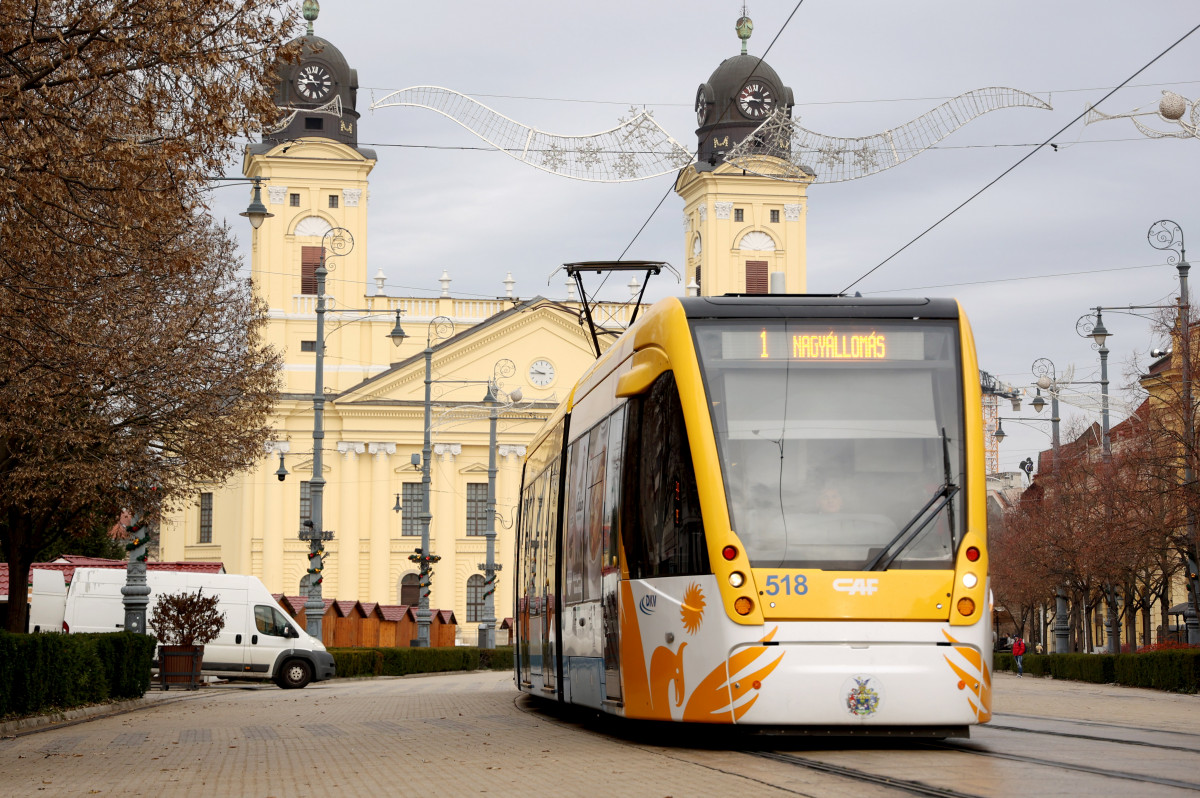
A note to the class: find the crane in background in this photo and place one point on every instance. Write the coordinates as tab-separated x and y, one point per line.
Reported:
993	391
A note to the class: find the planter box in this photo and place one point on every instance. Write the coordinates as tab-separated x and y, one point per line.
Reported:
179	666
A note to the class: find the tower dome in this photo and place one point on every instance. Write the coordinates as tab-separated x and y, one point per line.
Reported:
320	87
739	95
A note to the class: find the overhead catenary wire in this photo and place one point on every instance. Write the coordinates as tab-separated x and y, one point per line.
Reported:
585	101
470	148
1022	160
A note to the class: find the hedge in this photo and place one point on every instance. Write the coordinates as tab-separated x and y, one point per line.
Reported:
1176	670
42	672
404	661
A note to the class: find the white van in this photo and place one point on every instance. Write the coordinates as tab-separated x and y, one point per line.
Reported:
259	640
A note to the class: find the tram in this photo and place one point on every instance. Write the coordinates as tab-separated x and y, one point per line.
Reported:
766	511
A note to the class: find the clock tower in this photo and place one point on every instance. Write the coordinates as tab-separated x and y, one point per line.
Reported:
745	233
315	176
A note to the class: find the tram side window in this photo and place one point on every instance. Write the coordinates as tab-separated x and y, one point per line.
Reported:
661	525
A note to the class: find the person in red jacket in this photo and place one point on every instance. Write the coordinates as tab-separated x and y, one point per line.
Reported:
1018	650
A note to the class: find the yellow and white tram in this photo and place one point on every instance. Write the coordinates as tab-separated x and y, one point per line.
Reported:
766	511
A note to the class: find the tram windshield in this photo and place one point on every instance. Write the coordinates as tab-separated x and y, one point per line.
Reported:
841	442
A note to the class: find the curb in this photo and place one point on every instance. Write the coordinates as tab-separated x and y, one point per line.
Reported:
69	717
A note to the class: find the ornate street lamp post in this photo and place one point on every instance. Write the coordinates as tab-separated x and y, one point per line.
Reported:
1047	380
338	241
504	368
1099	333
1167	235
439	328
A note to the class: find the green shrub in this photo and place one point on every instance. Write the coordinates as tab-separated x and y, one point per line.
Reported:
351	662
42	672
496	659
405	661
1177	670
126	659
1095	668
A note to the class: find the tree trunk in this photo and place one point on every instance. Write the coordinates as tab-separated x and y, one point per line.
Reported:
1164	607
19	547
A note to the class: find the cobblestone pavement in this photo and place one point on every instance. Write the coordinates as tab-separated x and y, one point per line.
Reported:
446	735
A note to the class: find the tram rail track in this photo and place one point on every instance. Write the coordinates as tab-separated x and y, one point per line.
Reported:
1065	765
1096	723
1094	738
923	788
905	785
816	760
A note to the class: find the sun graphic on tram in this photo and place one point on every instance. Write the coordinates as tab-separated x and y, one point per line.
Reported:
692	610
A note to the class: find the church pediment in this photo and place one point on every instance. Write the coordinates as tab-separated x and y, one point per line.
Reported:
547	348
306	466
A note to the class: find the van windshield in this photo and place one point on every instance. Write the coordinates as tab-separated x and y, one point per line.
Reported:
834	436
270	621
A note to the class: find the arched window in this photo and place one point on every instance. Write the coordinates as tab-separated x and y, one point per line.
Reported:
410	590
475	599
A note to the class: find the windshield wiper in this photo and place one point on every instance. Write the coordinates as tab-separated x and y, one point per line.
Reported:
943	497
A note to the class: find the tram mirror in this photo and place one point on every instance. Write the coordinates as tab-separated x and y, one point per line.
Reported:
648	365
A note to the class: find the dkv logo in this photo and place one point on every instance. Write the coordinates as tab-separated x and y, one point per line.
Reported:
648	604
856	587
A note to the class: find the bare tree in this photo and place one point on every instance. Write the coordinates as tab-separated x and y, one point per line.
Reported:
131	356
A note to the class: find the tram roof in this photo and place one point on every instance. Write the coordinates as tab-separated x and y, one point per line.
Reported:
817	305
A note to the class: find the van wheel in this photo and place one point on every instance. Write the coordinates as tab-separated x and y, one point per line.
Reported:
296	673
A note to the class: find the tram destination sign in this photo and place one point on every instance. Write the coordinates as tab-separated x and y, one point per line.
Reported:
823	344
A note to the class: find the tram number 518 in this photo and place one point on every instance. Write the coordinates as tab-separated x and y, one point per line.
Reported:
786	584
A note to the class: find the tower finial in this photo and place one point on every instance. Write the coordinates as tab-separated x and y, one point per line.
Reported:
745	26
310	10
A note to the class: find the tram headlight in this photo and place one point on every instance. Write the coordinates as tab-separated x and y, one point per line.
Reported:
966	606
970	580
743	606
736	579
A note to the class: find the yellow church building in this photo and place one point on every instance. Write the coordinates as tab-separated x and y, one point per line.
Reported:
743	234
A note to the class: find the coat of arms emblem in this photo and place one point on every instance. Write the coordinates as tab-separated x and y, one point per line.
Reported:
862	699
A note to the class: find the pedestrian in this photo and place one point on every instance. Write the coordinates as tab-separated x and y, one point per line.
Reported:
1018	650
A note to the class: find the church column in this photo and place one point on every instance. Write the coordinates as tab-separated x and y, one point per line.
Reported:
239	563
378	587
445	520
508	489
347	532
797	246
730	277
273	515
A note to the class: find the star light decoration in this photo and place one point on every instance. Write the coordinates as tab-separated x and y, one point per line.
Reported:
1171	109
782	149
639	148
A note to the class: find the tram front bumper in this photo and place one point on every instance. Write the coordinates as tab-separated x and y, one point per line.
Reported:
866	684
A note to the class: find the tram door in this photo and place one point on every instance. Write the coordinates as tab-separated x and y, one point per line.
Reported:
526	570
548	579
610	571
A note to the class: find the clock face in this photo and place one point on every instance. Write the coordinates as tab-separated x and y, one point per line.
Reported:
541	373
314	82
756	99
701	107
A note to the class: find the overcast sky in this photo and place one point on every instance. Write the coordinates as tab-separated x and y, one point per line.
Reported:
1064	232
